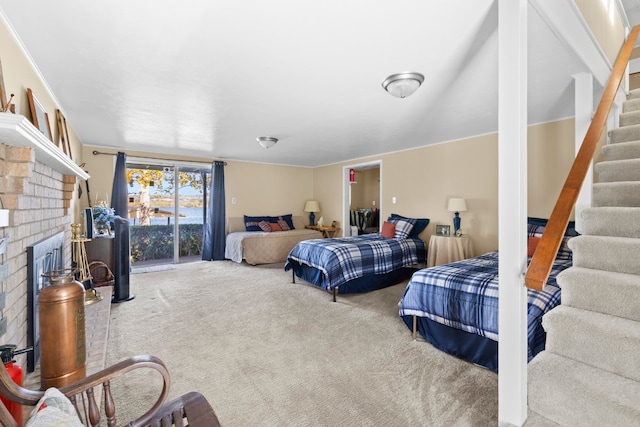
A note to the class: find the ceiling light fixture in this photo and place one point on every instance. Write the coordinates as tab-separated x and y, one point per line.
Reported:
266	141
404	84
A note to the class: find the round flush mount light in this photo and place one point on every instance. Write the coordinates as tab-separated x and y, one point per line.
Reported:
403	84
267	141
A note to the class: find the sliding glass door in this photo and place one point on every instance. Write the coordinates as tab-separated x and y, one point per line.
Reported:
166	212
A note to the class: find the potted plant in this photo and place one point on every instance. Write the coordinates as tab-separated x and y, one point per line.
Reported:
103	217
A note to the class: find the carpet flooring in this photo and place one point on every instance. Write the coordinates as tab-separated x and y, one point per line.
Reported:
267	352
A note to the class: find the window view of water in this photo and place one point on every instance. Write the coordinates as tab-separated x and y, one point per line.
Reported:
187	216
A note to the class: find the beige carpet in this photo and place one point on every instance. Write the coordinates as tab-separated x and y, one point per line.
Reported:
267	352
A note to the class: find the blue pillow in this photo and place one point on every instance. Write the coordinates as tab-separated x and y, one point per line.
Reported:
251	222
537	225
420	224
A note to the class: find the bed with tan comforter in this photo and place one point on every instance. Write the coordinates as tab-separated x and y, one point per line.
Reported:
258	247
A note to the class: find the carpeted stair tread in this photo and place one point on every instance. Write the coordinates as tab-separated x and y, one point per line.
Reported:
618	221
633	94
597	324
589	337
624	193
621	150
602	291
626	133
632	104
618	254
618	170
571	393
630	118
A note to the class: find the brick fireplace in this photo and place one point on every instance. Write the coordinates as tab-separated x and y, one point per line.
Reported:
37	183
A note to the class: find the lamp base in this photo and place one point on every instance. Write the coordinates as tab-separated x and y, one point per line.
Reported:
456	224
312	219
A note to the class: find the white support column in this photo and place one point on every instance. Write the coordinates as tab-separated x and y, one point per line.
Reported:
583	84
512	211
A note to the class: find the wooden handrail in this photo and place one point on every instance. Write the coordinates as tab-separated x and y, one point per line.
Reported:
545	254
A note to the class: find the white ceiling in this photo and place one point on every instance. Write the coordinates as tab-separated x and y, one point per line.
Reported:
205	78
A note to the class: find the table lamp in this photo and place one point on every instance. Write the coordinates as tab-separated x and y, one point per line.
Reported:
312	206
456	205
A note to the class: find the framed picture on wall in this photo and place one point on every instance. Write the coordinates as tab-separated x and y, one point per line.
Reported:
443	230
63	133
39	116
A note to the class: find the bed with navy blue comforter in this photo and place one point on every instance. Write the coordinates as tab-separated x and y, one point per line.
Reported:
357	263
456	308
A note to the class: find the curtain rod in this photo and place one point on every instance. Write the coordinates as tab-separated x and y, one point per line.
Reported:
96	152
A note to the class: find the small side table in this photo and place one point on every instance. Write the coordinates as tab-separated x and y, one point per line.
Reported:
325	230
446	249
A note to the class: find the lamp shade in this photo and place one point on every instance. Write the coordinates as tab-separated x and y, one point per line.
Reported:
457	205
311	206
404	84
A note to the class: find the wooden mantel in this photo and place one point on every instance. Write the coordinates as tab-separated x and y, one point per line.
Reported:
17	130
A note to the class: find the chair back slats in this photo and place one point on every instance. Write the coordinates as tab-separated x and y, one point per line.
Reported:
82	393
109	405
190	409
93	410
178	417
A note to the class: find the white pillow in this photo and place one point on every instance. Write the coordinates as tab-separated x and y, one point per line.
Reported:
403	226
54	410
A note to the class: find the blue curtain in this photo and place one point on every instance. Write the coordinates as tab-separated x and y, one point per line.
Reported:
119	194
214	238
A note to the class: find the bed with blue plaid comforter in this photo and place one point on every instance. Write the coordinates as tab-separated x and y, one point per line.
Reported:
464	296
339	261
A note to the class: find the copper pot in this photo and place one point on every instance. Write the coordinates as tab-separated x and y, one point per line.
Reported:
63	353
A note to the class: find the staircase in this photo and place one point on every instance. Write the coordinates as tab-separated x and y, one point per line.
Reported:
589	373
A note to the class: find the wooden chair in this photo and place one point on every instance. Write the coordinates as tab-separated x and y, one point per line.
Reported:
192	406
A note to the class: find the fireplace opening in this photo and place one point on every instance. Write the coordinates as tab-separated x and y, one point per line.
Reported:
43	256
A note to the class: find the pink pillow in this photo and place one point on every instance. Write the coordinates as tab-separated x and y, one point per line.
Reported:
264	226
283	224
388	230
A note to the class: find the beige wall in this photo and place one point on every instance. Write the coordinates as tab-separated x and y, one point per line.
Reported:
604	21
634	81
423	180
262	189
550	155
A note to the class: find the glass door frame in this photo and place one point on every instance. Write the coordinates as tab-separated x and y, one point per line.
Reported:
176	165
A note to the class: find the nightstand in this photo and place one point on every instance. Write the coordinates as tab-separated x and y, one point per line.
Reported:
325	230
446	249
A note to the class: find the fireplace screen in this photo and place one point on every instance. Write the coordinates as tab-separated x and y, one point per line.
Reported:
44	256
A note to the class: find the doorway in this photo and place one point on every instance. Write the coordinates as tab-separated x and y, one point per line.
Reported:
167	204
362	202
